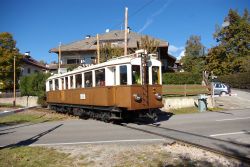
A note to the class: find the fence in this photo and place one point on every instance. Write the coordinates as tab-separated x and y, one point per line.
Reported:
185	90
9	95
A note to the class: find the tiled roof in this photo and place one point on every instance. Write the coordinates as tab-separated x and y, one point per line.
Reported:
112	36
31	61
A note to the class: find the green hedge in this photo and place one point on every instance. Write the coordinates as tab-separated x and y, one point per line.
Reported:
181	78
239	80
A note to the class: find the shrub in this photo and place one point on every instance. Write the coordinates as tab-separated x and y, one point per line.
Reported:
34	85
181	78
238	80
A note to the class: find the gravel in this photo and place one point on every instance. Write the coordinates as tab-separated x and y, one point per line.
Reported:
160	154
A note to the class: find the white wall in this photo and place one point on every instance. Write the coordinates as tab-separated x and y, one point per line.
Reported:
32	69
182	102
32	101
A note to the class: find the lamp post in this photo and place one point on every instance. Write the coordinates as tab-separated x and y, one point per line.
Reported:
14	102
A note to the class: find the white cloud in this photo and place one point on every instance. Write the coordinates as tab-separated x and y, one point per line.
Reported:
150	19
173	49
182	54
176	51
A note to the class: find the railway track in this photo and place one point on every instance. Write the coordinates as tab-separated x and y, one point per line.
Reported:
228	149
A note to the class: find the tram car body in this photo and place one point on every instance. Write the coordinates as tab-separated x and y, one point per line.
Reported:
121	87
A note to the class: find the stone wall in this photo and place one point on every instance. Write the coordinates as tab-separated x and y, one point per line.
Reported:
181	102
32	101
169	102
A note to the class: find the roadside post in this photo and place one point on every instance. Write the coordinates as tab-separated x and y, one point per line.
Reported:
212	93
202	103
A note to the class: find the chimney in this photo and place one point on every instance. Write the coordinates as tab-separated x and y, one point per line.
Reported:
27	53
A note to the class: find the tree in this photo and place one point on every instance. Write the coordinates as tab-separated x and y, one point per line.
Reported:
7	52
232	54
150	45
109	51
39	87
34	85
26	87
194	61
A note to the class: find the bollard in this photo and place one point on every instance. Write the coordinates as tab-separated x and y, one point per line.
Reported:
202	103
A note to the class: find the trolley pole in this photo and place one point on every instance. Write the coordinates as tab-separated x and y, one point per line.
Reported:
126	32
14	91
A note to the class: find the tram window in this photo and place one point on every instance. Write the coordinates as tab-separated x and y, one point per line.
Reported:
136	77
155	75
71	82
50	85
123	75
78	80
100	77
62	83
88	79
66	83
56	84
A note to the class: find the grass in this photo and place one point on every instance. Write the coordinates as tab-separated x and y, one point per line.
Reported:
182	90
185	110
215	109
9	105
49	157
31	116
188	110
34	157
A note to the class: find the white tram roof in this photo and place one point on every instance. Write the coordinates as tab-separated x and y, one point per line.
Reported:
128	59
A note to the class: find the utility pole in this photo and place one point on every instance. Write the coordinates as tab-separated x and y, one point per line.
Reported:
98	49
59	58
14	102
126	32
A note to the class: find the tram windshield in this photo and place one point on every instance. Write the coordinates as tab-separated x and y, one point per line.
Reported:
123	75
136	76
155	75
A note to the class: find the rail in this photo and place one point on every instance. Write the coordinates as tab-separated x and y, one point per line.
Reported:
185	90
215	145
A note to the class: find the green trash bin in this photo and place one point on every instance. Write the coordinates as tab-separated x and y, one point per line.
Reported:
202	103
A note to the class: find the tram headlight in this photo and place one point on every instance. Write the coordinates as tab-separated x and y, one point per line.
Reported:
158	96
137	98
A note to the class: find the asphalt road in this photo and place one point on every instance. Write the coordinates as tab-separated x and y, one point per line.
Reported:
239	100
233	125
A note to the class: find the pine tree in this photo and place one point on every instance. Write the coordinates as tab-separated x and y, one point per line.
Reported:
193	61
233	50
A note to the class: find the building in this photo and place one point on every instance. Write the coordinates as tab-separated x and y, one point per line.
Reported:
30	66
84	51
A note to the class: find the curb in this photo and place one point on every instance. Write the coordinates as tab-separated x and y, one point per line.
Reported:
6	113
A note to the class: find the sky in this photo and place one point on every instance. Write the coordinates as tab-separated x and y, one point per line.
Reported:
39	25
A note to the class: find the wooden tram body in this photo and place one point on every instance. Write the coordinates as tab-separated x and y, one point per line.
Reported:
128	85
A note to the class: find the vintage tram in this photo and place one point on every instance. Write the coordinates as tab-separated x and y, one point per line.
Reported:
119	88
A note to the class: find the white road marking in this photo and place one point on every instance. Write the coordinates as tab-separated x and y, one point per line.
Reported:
233	133
99	142
232	119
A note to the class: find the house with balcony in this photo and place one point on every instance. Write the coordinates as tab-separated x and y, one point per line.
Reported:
85	51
